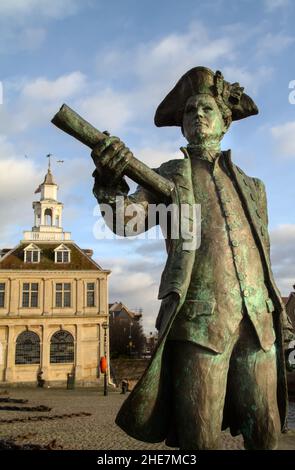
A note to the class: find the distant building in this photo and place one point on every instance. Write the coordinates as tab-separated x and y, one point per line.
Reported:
119	311
126	335
151	342
290	306
53	302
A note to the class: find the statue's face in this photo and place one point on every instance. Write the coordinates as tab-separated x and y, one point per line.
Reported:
202	120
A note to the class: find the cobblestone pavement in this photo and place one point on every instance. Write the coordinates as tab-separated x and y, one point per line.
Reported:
97	431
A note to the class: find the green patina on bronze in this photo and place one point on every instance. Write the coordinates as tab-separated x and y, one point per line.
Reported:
219	361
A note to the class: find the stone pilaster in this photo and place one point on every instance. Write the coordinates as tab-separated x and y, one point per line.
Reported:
78	358
79	296
45	353
10	361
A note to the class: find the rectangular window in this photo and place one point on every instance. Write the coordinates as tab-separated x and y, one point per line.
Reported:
34	294
30	294
62	256
90	294
2	294
32	256
58	295
67	295
63	294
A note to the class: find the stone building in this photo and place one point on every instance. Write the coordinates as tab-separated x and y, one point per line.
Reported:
119	312
53	302
290	306
126	333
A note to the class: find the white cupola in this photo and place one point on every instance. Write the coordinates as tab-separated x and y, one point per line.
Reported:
47	213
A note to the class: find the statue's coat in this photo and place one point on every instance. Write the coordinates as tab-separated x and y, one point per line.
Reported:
146	413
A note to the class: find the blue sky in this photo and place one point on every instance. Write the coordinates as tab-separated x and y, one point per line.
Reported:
114	62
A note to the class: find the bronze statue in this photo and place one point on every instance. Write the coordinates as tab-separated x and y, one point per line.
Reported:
219	361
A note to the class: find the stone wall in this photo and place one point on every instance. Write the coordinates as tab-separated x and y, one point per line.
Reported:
130	369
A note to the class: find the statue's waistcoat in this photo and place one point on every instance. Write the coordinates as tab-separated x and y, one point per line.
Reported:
227	278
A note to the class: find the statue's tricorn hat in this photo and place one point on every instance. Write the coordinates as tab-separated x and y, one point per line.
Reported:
201	80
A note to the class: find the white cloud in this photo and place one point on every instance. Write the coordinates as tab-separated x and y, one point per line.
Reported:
282	235
22	22
273	44
16	193
157	65
108	110
283	256
36	101
154	67
272	5
166	59
48	90
251	80
283	135
18	39
47	8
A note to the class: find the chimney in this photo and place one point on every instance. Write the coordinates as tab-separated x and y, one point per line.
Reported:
88	252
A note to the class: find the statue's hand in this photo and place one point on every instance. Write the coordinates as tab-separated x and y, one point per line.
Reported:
111	158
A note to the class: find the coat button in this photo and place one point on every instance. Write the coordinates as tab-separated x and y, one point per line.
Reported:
234	243
246	292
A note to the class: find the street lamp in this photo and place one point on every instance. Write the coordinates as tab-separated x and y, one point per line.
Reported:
105	326
130	338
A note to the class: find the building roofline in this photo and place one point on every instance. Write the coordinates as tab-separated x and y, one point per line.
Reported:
105	271
9	252
22	242
291	295
90	259
128	311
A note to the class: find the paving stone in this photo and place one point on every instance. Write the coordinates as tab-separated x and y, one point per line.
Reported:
97	431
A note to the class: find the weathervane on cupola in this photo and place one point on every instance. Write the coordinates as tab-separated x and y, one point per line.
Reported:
49	155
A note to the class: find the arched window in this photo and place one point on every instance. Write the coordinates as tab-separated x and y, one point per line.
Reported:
48	216
27	348
61	347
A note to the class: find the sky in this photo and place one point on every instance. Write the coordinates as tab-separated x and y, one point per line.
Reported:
113	63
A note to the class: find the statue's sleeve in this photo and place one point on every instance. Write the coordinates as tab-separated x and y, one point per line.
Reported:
119	208
263	210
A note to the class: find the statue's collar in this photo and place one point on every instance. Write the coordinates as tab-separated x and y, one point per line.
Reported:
194	152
